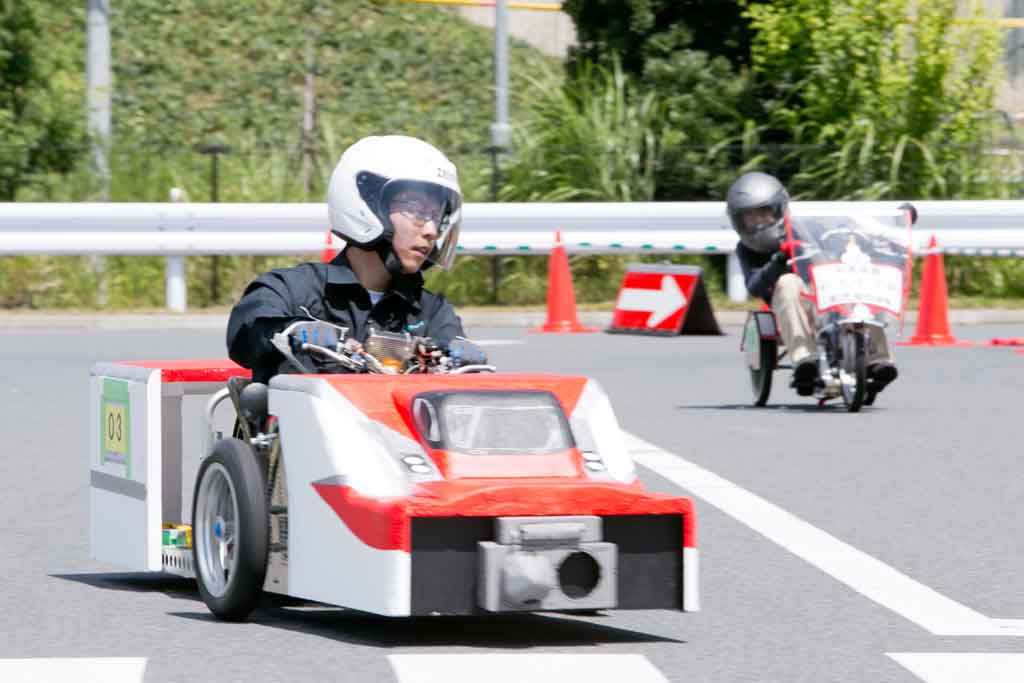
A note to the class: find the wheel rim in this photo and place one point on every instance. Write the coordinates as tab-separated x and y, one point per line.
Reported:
216	530
756	382
760	380
756	353
851	380
848	383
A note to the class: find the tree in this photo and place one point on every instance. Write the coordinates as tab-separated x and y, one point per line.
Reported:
639	31
597	141
691	54
40	119
876	106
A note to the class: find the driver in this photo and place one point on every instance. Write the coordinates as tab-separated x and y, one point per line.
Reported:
757	204
396	201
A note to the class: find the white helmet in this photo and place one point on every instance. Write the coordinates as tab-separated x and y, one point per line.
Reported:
371	172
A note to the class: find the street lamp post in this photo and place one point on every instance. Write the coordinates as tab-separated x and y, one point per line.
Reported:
501	131
98	92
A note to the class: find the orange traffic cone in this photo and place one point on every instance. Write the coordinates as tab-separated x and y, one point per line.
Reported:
932	314
329	252
561	297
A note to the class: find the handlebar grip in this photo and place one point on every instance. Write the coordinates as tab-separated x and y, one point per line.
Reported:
465	352
907	206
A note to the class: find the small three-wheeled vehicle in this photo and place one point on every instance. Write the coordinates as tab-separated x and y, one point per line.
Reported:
856	271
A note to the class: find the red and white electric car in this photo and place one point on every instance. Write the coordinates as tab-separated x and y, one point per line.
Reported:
431	489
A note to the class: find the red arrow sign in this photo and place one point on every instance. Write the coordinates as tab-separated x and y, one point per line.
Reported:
653	302
661	303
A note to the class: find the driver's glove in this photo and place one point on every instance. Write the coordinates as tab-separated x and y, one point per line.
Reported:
789	248
427	348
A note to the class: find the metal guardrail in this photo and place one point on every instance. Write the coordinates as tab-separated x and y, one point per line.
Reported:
175	230
986	228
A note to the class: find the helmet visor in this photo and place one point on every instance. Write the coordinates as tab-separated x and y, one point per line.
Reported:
447	240
421	202
749	222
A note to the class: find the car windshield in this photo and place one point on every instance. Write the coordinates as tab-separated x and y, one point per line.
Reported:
495	422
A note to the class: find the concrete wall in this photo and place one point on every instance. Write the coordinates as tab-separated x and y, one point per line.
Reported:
550	32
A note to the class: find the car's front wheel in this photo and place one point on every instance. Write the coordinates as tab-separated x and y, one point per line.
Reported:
230	530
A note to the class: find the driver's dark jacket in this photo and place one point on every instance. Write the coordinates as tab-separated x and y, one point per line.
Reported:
330	291
760	271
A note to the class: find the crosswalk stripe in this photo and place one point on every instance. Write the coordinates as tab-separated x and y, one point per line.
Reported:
526	668
963	667
73	670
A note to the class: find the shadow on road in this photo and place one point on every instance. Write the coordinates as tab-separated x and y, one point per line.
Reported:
519	631
778	407
139	582
512	631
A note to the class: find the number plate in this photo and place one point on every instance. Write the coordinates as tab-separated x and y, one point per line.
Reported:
115	427
837	284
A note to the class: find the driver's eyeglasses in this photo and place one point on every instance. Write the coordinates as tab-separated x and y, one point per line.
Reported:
418	212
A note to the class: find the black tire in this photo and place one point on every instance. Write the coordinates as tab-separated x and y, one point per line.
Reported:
855	364
230	530
761	377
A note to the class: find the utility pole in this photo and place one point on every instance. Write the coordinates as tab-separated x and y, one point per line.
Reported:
98	84
309	114
214	150
501	131
98	87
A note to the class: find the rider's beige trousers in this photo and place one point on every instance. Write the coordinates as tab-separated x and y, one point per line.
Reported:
795	317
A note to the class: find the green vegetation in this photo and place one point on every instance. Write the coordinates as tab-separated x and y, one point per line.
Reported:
692	57
663	100
195	71
900	109
40	121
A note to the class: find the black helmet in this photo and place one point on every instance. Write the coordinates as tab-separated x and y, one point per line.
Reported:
752	192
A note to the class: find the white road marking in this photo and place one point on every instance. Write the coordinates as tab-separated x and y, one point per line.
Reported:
877	581
526	668
497	342
73	670
963	667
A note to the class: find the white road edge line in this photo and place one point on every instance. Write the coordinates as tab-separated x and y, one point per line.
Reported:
515	668
73	670
963	667
875	580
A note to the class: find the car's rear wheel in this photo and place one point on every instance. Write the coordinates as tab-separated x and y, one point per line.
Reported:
762	355
761	377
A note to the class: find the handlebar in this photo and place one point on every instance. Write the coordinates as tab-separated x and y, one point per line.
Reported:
386	353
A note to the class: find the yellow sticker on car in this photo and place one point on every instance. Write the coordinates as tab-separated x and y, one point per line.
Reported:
115	429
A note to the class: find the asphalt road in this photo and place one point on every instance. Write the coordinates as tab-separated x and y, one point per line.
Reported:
928	484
